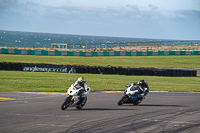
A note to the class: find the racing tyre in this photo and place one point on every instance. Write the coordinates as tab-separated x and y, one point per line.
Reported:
66	103
80	106
122	100
136	102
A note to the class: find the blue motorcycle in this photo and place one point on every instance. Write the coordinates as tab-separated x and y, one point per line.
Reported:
131	95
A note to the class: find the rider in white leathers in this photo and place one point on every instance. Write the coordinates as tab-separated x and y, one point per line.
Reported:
81	82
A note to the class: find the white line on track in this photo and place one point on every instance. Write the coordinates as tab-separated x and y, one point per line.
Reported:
40	93
35	98
45	95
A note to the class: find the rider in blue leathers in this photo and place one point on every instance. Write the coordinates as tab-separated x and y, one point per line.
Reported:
143	88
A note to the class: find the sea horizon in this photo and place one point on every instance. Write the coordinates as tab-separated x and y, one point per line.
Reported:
44	40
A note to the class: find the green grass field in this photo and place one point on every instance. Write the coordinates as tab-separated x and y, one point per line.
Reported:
185	61
58	82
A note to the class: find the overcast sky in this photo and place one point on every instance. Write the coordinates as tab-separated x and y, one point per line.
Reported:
158	19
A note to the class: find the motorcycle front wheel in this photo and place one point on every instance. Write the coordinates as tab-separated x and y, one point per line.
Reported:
66	103
80	106
122	100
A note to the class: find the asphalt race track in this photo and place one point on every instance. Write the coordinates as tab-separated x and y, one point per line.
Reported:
159	112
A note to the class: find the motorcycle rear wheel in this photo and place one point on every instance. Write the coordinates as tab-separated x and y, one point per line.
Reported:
80	106
136	102
66	103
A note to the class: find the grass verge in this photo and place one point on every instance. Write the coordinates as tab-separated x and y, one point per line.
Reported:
176	61
58	82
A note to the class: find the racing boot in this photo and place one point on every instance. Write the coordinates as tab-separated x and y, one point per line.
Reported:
141	97
82	98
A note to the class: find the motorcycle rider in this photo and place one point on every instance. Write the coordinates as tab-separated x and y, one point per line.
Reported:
143	88
81	82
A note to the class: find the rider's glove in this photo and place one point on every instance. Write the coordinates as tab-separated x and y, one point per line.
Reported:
134	83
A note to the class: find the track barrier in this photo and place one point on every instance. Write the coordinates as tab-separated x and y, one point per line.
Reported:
32	67
98	53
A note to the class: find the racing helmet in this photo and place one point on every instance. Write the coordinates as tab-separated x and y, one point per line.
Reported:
141	82
81	80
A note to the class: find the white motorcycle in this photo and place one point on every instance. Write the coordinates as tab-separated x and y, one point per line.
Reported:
73	97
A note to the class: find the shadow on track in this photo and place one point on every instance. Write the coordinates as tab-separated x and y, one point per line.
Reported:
156	105
107	109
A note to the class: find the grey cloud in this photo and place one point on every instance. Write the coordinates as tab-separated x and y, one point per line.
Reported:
133	7
31	5
153	7
79	14
8	3
194	14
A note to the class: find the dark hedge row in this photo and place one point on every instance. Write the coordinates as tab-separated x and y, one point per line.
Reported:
106	70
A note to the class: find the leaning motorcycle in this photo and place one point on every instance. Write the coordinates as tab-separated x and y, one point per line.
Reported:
73	97
130	95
